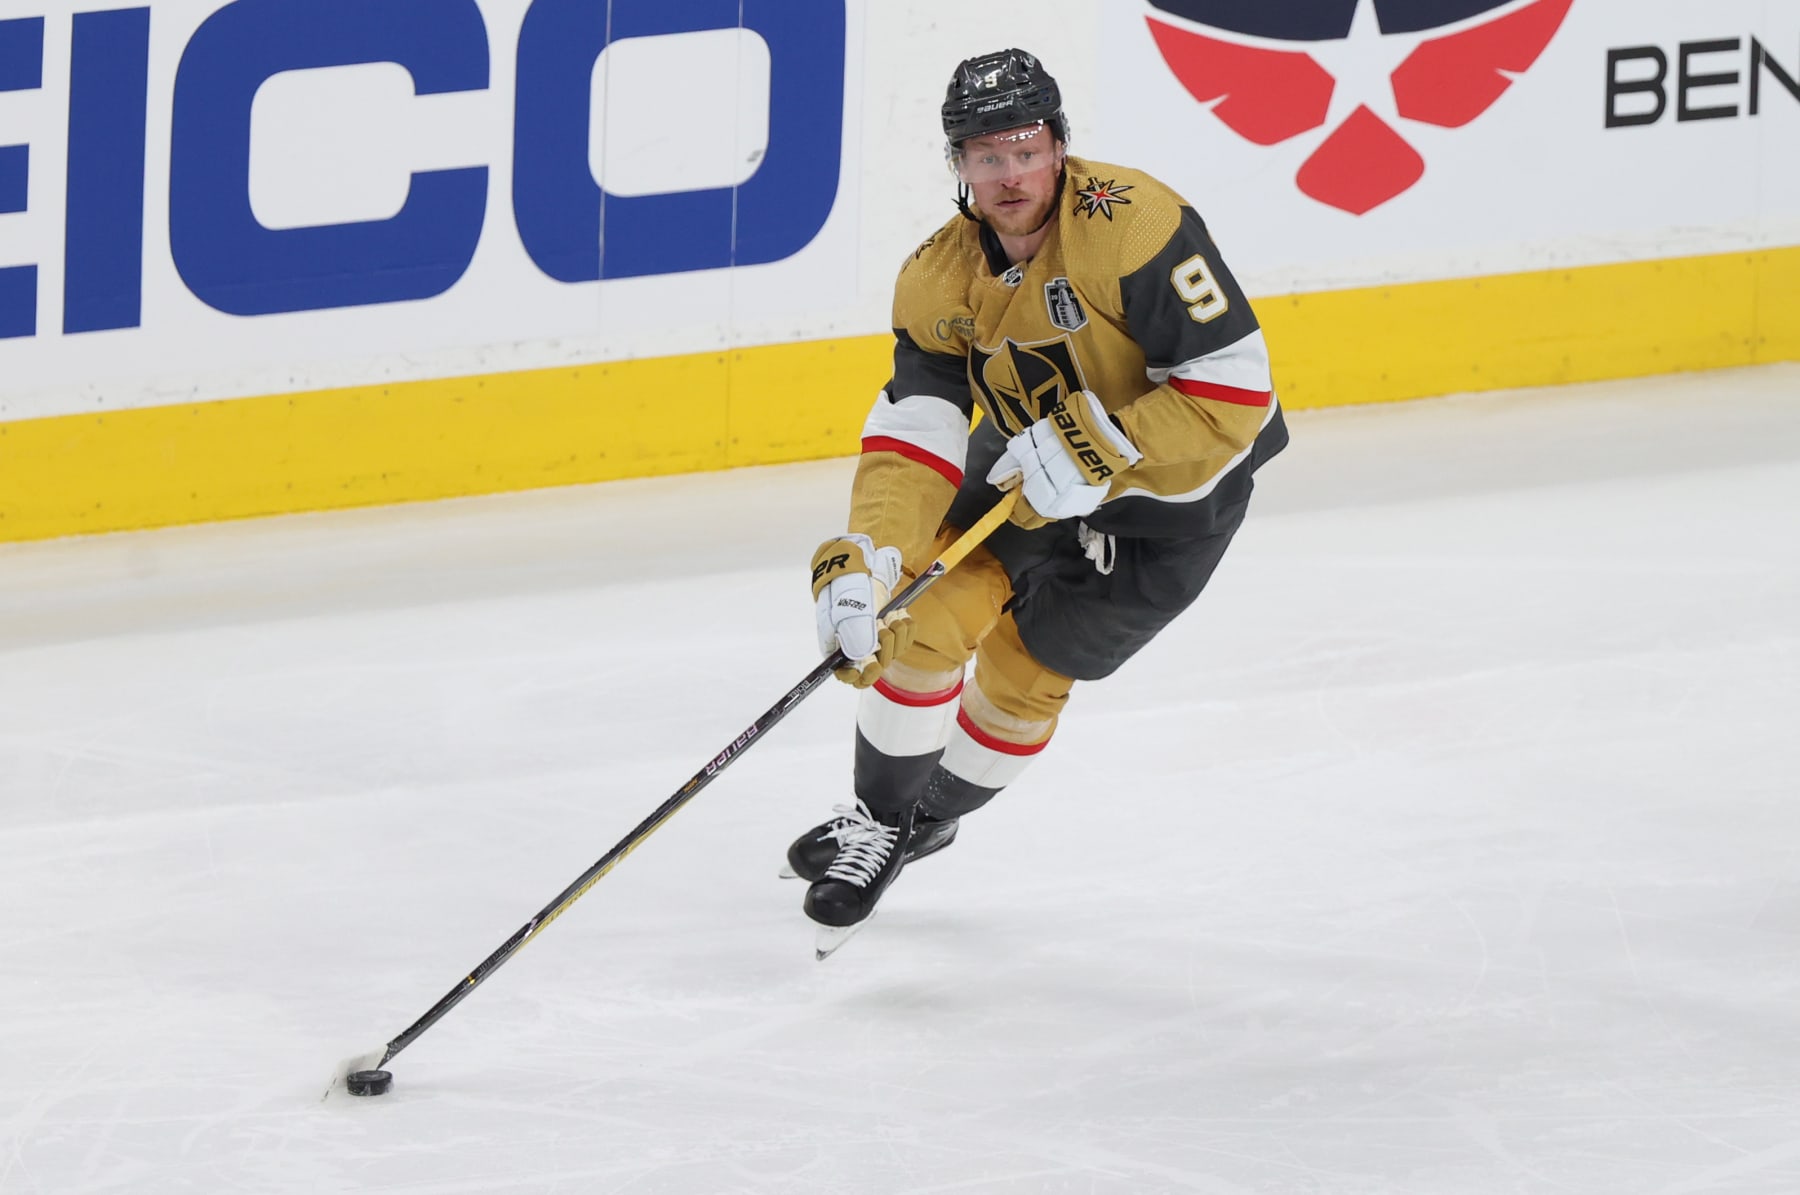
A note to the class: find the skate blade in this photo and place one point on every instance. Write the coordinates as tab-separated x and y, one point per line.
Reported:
831	938
788	873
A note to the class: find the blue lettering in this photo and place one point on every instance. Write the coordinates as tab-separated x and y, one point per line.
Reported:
235	264
103	249
571	228
15	177
21	69
576	232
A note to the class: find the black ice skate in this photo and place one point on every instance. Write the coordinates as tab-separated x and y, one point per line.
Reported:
870	854
813	851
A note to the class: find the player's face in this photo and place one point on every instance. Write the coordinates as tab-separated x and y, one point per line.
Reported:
1012	175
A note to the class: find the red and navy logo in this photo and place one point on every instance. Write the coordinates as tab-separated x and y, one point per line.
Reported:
1273	72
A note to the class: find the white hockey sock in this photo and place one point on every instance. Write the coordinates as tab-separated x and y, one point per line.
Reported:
901	723
976	757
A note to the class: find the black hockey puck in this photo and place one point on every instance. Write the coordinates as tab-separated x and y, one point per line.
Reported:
368	1082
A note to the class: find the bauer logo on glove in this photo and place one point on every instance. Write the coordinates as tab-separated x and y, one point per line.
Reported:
1081	444
1064	461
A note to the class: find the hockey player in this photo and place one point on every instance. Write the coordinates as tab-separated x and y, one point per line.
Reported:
1123	384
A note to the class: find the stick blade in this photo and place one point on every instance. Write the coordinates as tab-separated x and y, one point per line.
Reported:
372	1060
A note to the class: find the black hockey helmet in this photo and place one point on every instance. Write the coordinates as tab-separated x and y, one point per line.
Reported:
1003	90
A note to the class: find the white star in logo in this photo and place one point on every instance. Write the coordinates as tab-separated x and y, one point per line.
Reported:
1363	63
1097	198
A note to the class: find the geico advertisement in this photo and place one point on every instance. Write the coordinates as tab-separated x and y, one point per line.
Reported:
1358	142
253	196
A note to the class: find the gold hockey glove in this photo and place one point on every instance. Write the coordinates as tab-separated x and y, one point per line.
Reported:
1065	461
851	581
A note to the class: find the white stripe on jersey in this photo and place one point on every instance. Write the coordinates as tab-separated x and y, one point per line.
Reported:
932	424
1210	484
1242	365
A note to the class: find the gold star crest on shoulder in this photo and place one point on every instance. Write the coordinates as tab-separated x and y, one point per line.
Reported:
1097	198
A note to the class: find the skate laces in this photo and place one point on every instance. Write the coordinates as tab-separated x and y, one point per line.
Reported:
846	819
864	845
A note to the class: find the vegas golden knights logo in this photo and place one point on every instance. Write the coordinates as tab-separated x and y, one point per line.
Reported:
1023	383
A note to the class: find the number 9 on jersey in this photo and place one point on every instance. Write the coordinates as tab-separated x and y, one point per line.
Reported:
1195	283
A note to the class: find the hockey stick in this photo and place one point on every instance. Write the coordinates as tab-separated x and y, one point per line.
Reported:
364	1074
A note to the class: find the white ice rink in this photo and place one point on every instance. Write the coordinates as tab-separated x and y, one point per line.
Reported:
1450	844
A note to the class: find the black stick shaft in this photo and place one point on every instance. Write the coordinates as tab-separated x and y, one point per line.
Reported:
687	792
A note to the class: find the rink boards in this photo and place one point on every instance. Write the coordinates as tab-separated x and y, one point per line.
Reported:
264	257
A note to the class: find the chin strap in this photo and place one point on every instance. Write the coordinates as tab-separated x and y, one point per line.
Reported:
962	202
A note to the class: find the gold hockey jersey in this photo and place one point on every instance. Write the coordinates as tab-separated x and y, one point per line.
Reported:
1128	298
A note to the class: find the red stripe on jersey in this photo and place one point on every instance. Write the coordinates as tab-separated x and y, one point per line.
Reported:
1243	398
918	700
987	740
913	452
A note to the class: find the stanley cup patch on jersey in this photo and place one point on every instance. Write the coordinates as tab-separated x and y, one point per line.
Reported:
1065	308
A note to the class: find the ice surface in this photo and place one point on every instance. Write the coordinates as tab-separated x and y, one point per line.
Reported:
1450	844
